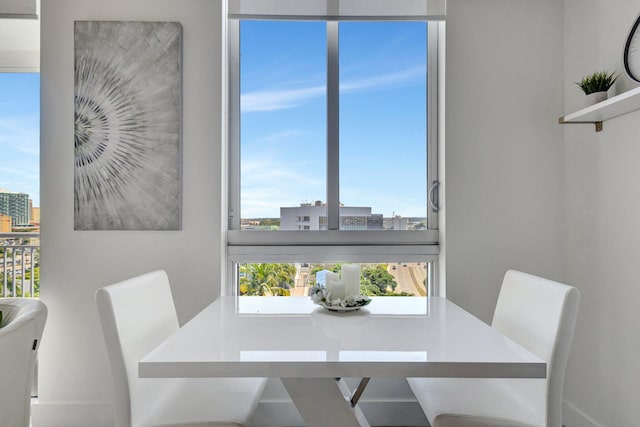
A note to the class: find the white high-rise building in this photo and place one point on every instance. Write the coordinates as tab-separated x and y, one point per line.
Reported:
308	217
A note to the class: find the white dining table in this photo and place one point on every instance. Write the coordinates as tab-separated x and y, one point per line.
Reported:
311	349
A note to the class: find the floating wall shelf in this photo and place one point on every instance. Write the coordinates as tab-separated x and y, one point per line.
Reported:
613	107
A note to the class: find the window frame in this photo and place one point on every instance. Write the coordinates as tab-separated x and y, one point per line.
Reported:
332	245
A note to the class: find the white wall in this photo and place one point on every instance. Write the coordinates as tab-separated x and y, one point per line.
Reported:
602	225
503	145
75	386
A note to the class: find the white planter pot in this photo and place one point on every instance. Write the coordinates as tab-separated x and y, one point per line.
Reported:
594	98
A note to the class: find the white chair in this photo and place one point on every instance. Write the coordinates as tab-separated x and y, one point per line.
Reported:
538	314
136	316
23	321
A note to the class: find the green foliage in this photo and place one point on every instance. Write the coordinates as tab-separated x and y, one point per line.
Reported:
369	290
9	285
336	268
377	280
374	291
267	279
599	81
276	279
23	285
315	269
374	280
36	280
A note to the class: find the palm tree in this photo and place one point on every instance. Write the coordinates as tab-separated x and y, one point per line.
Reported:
266	279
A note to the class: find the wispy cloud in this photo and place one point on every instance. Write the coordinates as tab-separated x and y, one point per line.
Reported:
268	185
20	134
19	155
265	172
281	99
29	171
284	135
273	100
384	80
21	176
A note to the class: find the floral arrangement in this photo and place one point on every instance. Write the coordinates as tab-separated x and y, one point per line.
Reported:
321	296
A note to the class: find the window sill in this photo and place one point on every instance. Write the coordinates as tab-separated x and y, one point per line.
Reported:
332	238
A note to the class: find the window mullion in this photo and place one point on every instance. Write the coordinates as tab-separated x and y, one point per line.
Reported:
233	120
333	128
432	125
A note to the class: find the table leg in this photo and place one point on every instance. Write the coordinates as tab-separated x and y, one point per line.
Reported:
324	402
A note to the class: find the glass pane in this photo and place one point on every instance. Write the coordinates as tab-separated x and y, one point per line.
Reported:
19	184
283	124
376	279
20	149
383	125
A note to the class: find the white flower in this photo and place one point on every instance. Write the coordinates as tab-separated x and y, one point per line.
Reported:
350	300
318	295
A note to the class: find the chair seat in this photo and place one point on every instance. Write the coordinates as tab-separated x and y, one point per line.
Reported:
194	402
478	402
12	307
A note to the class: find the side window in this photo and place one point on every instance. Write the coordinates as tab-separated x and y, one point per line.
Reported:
19	184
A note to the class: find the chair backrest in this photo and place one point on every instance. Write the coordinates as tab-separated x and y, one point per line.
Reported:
540	315
22	326
136	316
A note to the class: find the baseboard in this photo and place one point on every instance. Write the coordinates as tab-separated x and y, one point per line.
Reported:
573	417
71	414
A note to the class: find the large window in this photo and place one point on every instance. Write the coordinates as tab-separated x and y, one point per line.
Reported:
332	149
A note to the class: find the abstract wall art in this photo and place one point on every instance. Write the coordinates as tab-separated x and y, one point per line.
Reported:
127	133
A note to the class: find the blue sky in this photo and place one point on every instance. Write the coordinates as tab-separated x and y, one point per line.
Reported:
283	80
382	116
20	133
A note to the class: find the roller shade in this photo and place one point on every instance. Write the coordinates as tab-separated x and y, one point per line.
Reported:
338	10
18	9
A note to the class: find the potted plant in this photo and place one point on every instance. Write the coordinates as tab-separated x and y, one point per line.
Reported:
596	85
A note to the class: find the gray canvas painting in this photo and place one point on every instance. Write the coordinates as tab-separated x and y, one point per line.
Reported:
128	100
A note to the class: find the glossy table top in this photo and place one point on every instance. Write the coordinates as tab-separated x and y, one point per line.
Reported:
291	337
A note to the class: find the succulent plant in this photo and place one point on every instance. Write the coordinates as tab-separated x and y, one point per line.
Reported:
599	81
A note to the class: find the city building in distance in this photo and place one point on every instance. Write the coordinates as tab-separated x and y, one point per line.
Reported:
310	216
5	223
313	216
15	205
35	216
